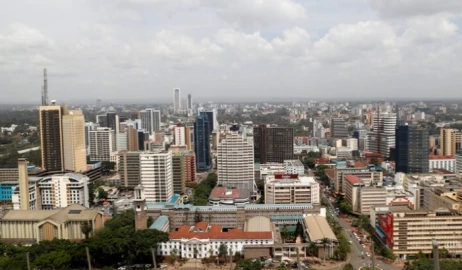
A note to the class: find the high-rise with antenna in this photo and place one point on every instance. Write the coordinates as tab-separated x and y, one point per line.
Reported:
45	88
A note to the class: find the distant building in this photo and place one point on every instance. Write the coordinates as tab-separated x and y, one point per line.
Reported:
411	149
362	194
382	137
75	158
182	136
178	173
294	167
176	100
102	144
273	144
338	128
150	120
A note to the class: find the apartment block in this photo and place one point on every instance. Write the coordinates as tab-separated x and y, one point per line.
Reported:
74	149
129	168
156	175
442	162
102	144
337	176
291	189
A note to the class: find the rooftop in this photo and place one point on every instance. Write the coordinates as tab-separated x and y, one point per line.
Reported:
318	229
353	179
203	230
440	157
224	192
72	212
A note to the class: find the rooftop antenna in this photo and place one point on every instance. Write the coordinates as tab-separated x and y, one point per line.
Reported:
45	88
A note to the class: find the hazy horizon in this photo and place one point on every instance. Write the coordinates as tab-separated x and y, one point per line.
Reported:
129	50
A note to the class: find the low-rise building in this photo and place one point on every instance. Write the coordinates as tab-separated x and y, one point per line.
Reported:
291	188
229	196
363	194
32	226
442	162
294	167
203	240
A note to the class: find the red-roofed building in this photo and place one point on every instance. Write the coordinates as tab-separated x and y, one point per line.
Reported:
207	238
229	196
442	162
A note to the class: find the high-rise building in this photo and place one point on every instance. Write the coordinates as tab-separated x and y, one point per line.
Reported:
273	144
182	136
113	121
132	138
352	144
212	116
189	103
23	180
235	164
121	142
176	100
202	142
178	173
459	163
89	126
156	175
150	120
51	140
450	141
382	138
102	144
129	168
74	149
338	128
411	149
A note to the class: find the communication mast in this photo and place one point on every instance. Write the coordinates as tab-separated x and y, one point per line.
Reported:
45	88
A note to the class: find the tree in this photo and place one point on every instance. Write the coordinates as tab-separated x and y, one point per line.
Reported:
102	194
222	250
173	255
348	266
197	216
299	229
107	166
249	265
345	207
284	233
374	161
312	249
150	221
53	260
86	228
324	243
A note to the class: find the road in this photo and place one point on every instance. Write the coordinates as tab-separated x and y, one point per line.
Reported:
356	249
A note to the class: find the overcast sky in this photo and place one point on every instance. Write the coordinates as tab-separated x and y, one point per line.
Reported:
127	50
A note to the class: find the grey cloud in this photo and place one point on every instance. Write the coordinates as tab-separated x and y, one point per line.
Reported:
406	8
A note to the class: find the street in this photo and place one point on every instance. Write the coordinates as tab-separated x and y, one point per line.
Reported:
356	249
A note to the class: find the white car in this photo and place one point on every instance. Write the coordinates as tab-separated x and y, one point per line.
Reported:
367	254
162	266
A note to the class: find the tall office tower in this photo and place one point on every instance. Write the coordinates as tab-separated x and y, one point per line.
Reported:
235	164
411	154
101	120
74	148
156	175
178	173
189	103
176	100
459	163
212	116
129	168
51	140
189	159
338	128
150	120
23	180
450	141
273	144
202	142
318	129
143	136
113	121
382	138
132	138
102	144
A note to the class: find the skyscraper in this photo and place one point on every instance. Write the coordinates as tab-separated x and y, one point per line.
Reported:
411	149
113	121
150	120
338	128
382	138
74	148
132	138
176	100
102	144
182	136
235	164
129	168
178	173
273	144
202	142
51	140
156	175
189	103
450	141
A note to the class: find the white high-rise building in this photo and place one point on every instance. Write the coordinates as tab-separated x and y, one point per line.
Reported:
150	120
235	161
121	142
156	175
382	138
176	100
102	144
179	135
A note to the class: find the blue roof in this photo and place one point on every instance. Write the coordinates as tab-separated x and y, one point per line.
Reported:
174	198
286	217
159	205
159	223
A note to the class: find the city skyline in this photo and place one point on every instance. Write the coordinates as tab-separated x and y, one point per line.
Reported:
279	48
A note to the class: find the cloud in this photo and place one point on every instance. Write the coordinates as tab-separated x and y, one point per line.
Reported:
407	8
21	37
